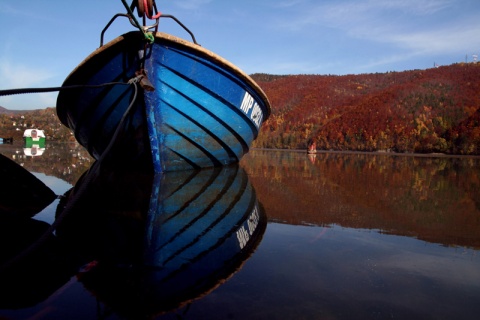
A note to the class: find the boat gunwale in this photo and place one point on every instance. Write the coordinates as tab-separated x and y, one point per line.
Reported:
164	37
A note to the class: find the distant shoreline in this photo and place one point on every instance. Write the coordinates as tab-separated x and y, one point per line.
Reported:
19	143
386	153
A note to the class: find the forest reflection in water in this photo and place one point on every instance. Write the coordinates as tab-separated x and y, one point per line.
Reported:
339	236
435	199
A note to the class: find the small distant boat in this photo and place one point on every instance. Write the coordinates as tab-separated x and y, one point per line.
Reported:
6	140
312	147
194	110
33	137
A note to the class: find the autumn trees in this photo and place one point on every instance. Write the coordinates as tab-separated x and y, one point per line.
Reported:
422	111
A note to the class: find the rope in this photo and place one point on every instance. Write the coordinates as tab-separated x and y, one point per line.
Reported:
149	16
52	89
148	36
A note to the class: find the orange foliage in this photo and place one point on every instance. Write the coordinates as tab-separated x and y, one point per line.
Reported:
433	110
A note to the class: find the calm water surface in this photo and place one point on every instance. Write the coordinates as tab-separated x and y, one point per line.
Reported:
282	236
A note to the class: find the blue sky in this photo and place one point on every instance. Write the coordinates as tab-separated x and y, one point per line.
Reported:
43	41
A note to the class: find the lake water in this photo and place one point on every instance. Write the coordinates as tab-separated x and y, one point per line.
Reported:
285	235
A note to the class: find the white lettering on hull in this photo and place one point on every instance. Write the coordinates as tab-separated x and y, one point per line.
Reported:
250	106
244	233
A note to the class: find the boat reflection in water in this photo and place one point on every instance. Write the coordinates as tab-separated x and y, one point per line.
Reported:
34	151
142	244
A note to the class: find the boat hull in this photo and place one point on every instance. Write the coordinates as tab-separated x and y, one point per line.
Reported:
203	112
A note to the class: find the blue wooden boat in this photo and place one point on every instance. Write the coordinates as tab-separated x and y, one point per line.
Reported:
194	109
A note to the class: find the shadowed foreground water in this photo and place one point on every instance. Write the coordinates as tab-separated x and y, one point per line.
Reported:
282	236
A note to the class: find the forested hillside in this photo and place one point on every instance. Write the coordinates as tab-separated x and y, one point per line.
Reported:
423	111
